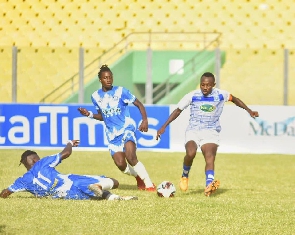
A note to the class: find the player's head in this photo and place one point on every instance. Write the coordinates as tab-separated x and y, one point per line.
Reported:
105	76
207	82
29	158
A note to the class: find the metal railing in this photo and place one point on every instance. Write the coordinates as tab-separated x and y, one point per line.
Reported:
164	89
136	41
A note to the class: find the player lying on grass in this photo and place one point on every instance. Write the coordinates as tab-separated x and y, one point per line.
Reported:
206	105
42	179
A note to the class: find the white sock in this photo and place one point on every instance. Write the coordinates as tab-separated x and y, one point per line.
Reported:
113	197
109	196
129	171
106	183
141	171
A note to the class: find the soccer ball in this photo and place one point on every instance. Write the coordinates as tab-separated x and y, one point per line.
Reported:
166	189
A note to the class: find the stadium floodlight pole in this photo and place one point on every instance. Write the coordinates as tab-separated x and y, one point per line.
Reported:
149	81
14	74
81	75
217	67
286	75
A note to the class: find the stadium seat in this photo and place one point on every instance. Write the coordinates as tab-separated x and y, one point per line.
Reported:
254	68
91	24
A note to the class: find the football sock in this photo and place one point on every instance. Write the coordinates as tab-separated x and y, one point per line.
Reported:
113	197
142	173
209	176
106	183
129	171
185	171
109	196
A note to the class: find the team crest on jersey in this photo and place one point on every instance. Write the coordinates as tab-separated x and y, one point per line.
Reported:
207	108
216	98
115	98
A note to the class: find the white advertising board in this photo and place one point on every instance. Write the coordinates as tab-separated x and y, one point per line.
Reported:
272	132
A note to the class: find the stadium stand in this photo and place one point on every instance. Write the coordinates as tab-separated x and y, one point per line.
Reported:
38	27
260	74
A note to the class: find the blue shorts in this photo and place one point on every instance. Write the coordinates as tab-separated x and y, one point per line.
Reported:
75	186
118	144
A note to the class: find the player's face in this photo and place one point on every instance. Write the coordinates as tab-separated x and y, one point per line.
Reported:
31	160
106	80
206	85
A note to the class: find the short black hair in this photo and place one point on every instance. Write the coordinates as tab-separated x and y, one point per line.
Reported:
24	156
208	75
104	68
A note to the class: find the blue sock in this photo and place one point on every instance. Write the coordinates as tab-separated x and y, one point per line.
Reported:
185	171
209	176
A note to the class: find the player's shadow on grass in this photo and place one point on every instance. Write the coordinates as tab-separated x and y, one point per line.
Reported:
201	191
127	187
24	196
2	228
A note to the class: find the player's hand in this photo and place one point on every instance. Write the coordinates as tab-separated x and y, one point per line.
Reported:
160	132
143	126
253	114
75	143
83	111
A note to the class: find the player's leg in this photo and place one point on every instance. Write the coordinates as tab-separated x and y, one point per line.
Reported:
117	149
86	186
111	183
143	180
112	197
209	152
209	147
190	153
120	161
102	185
191	140
131	157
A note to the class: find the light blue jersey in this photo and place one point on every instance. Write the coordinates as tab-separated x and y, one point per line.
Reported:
43	180
113	105
204	110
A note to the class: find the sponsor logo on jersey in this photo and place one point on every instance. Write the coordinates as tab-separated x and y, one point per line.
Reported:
207	108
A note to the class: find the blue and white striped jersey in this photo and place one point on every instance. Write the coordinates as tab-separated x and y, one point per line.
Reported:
204	110
113	105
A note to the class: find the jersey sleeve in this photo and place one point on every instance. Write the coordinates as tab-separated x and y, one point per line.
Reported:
226	95
185	101
52	160
127	96
94	103
19	185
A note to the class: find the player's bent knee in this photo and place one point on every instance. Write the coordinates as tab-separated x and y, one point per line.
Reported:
116	183
121	164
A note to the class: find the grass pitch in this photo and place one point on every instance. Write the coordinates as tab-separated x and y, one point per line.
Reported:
256	196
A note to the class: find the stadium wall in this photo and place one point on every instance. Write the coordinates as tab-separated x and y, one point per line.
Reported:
51	126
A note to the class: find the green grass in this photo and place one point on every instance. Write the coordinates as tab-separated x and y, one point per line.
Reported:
256	196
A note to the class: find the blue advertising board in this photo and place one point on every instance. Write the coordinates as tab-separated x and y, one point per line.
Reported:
44	125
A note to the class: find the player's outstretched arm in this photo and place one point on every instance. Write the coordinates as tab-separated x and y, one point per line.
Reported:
67	151
90	114
242	105
144	124
171	118
5	193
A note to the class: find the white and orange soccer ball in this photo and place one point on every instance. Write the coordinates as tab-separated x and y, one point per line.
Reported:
166	189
